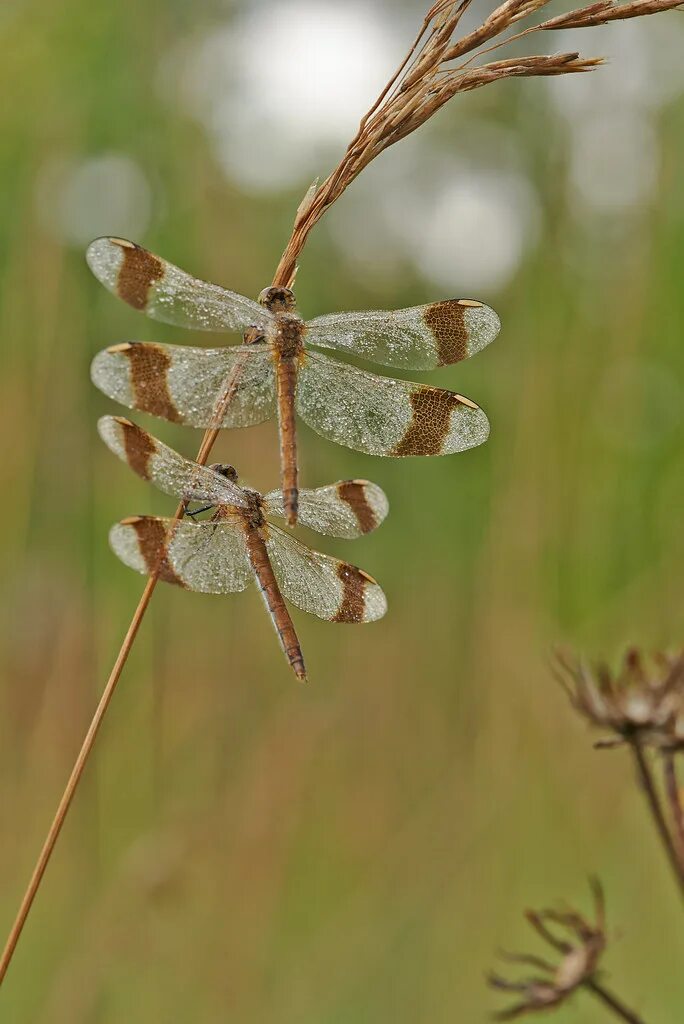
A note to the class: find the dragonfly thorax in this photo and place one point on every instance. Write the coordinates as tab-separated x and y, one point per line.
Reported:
255	507
286	339
288	336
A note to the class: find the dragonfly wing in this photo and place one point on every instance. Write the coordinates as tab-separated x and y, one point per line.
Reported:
165	292
346	509
186	385
382	416
164	467
208	557
419	338
321	585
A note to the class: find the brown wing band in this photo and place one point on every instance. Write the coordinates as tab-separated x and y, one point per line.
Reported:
149	380
354	493
151	534
139	447
138	272
430	423
447	323
353	604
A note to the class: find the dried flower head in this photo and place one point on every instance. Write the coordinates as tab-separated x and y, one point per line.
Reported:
580	944
643	700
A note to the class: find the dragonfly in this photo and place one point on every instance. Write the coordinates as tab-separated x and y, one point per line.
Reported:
238	545
279	368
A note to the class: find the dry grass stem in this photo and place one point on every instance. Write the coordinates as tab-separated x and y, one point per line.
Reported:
74	778
122	657
673	854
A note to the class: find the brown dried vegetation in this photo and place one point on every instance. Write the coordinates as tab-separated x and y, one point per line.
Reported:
580	944
641	707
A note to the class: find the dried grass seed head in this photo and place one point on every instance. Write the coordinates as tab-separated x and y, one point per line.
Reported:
438	66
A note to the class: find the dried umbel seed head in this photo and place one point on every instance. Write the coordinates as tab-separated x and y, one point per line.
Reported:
278	300
643	699
577	941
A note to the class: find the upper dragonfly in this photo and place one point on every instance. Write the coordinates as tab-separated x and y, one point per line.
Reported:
224	554
275	368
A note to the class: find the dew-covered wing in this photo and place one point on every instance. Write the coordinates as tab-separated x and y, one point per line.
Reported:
189	385
165	468
321	585
165	292
382	416
419	338
208	557
346	509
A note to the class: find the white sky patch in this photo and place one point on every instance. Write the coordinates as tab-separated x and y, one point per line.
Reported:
477	230
643	70
281	88
614	143
79	199
465	229
615	161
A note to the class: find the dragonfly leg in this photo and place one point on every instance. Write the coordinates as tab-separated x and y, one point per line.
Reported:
197	511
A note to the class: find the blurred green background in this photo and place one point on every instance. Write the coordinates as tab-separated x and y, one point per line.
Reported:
355	851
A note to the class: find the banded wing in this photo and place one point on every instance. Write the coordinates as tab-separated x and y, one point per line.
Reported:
381	416
346	509
208	557
185	385
419	338
321	585
164	467
165	292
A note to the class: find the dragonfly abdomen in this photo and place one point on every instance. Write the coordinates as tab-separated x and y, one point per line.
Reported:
274	601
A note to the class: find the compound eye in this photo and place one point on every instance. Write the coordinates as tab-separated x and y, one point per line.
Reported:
278	300
224	469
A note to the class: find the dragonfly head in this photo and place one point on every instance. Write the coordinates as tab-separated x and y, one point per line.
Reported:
278	300
230	472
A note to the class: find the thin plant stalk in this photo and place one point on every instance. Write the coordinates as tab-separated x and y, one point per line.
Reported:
656	809
674	798
612	1002
74	779
52	836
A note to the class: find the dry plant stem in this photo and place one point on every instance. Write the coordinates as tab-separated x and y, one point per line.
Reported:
107	694
613	1003
74	779
675	800
653	800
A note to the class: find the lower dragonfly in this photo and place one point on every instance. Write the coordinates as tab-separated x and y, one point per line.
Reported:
237	545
